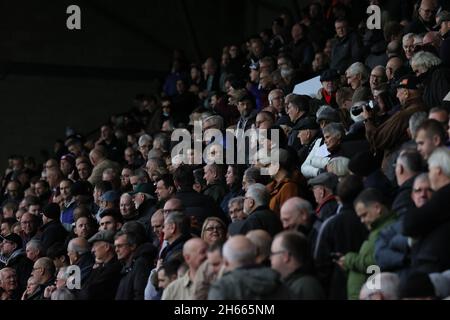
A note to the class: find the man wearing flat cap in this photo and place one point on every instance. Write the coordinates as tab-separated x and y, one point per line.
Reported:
327	94
11	248
104	279
52	229
323	187
308	133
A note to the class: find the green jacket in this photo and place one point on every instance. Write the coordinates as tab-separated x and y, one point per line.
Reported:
357	263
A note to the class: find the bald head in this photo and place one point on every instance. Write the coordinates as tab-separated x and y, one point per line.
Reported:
194	252
43	270
294	213
239	251
393	65
262	241
192	245
173	204
97	154
432	38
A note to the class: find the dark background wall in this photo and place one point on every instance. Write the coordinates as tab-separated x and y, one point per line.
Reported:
52	77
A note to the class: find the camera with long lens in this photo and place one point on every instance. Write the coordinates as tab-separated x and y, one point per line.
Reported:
370	106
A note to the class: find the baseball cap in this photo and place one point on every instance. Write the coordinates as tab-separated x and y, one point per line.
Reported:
142	188
110	196
409	81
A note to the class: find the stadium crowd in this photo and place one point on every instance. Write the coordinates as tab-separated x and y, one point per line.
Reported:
358	208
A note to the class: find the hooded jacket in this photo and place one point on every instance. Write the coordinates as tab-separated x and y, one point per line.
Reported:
249	283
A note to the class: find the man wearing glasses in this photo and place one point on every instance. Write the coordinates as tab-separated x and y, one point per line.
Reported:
425	20
289	256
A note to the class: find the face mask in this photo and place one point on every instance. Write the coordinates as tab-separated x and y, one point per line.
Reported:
165	114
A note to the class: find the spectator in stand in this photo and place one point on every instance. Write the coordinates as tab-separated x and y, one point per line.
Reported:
443	21
243	280
290	256
430	136
371	207
430	223
194	253
256	206
213	230
425	20
347	47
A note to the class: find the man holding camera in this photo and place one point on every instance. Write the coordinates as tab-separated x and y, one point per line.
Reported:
390	135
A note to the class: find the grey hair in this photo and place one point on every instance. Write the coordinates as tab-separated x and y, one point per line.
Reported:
415	121
407	37
36	244
259	194
144	138
358	68
180	220
334	129
78	249
62	294
425	60
216	120
339	166
422	177
238	200
441	158
389	286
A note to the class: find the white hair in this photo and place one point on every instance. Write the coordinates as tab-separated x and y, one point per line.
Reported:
441	158
339	166
407	37
426	60
358	68
273	92
389	286
143	139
